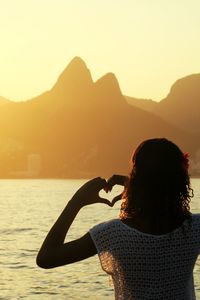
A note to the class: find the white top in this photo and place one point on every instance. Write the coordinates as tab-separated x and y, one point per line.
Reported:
145	266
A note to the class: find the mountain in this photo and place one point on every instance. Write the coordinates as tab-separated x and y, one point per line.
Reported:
76	74
146	104
181	107
79	128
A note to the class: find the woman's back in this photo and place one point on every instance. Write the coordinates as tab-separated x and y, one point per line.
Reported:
146	266
151	250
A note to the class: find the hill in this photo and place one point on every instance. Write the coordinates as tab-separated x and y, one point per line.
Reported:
145	104
181	107
79	128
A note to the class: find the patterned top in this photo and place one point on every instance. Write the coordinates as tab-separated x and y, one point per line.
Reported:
145	266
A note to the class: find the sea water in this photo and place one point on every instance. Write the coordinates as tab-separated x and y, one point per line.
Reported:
28	209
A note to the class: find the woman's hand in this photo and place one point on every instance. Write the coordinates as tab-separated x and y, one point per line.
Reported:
89	193
54	252
116	180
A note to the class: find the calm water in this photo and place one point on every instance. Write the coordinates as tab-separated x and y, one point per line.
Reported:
28	209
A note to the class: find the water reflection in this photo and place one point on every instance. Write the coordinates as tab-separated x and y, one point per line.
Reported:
28	209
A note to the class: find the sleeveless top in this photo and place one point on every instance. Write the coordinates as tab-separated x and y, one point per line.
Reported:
145	266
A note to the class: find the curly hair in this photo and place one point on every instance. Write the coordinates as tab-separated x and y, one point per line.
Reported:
159	183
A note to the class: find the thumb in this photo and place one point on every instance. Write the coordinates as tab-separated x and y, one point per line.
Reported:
105	201
116	198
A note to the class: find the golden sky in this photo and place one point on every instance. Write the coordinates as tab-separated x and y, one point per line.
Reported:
148	44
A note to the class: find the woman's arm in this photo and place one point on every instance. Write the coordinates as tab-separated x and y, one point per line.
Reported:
116	179
54	252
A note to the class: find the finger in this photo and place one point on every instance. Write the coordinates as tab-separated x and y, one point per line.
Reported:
97	182
100	184
105	201
112	179
107	188
96	179
117	198
116	179
110	183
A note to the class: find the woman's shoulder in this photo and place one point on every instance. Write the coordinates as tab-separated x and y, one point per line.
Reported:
105	225
103	233
116	225
195	215
195	219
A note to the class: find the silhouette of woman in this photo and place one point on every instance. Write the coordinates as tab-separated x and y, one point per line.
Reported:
151	250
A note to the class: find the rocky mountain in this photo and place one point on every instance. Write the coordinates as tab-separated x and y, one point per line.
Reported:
79	128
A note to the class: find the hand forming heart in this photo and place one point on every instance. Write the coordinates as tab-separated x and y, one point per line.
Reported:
89	192
111	182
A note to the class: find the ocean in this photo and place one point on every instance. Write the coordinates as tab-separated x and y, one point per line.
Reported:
28	209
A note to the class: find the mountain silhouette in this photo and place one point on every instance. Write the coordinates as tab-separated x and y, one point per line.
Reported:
181	107
75	75
146	104
79	128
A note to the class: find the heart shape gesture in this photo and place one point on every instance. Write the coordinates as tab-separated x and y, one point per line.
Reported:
115	180
89	192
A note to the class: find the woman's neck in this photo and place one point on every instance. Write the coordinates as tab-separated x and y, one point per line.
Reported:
151	225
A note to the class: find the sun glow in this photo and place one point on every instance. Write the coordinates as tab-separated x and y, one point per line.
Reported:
147	44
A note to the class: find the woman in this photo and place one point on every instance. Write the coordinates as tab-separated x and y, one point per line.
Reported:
150	251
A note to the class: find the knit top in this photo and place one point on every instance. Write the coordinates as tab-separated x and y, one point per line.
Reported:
145	266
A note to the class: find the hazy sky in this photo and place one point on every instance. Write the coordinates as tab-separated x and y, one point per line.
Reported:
148	44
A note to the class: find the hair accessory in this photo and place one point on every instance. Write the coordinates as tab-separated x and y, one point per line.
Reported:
186	161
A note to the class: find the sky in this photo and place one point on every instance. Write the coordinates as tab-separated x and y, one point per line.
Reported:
147	44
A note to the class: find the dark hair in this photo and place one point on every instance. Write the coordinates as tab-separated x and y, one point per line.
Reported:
159	183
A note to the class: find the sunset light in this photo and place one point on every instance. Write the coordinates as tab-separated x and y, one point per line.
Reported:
100	149
146	44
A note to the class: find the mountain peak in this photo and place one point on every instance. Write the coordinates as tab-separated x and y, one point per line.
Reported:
76	74
186	85
109	84
76	63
